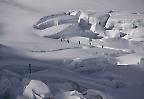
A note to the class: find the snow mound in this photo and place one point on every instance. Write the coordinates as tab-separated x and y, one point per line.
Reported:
35	89
128	23
94	94
55	20
71	24
130	59
86	25
114	34
69	95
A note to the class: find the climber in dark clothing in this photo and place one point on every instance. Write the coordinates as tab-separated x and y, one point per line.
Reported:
68	41
79	42
102	46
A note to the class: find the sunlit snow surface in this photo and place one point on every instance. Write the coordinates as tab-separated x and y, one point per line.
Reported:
89	49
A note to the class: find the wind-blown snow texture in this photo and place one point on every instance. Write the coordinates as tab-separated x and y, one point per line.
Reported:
71	49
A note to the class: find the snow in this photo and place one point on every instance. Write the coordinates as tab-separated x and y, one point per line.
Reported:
130	59
36	89
75	49
69	95
92	94
114	34
128	23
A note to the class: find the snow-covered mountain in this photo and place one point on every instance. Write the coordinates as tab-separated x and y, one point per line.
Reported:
71	49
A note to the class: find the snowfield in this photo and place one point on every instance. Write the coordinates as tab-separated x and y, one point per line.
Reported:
71	49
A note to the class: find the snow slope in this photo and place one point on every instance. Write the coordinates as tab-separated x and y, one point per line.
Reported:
58	68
